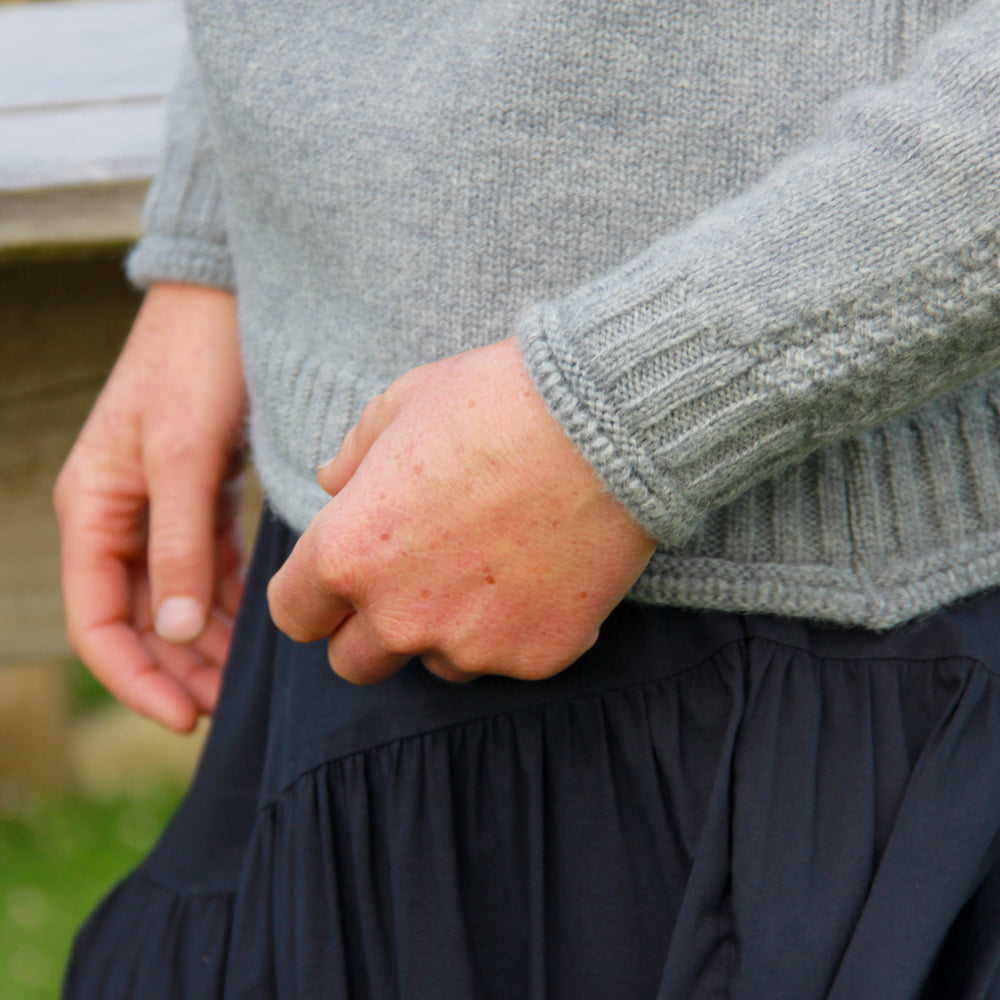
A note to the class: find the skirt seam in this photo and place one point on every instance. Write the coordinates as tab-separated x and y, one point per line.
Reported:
746	643
143	874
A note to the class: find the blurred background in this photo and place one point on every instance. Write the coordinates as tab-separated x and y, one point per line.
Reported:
85	786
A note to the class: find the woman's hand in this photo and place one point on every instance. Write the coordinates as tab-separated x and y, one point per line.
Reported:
147	503
464	528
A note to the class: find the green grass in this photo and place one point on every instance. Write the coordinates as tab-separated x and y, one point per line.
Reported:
86	693
57	859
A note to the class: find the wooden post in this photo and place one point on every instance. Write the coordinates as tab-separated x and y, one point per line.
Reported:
34	730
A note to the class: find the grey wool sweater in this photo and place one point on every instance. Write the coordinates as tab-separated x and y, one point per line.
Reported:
750	248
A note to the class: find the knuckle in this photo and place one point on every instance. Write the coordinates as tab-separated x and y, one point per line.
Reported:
373	413
174	450
400	636
534	671
546	660
282	610
350	442
387	399
173	547
334	572
442	667
474	659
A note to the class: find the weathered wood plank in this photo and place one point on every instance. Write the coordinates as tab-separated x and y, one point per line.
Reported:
85	145
56	220
82	94
68	217
34	729
62	53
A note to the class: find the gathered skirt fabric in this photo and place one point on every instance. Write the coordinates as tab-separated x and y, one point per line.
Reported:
705	805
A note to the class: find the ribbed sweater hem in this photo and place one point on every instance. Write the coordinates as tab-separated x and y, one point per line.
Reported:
872	596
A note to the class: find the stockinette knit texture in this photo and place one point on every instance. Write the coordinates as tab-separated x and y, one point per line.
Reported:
750	248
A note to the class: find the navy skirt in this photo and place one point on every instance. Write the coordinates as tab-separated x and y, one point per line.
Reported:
705	805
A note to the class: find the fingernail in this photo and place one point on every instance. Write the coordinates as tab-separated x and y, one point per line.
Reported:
180	619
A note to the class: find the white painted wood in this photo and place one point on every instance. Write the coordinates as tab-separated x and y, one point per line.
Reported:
73	52
88	144
82	91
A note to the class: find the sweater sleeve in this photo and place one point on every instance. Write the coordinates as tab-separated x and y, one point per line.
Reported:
184	214
856	281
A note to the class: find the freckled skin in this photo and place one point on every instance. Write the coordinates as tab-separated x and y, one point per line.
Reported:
459	495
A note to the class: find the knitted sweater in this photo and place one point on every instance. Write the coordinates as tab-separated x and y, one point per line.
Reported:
749	246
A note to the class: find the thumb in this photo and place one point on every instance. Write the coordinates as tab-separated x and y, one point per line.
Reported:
335	474
181	550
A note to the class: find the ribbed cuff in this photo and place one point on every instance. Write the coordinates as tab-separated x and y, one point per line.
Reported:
596	429
160	258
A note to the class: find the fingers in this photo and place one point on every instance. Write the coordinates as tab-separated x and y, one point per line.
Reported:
161	680
146	505
109	617
196	667
359	656
182	536
307	601
99	541
98	608
442	667
199	677
312	597
335	474
121	664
